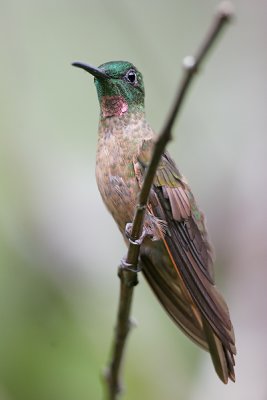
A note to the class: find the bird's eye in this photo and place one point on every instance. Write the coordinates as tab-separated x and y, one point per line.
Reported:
131	77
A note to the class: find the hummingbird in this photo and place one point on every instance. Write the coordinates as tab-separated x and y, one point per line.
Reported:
176	256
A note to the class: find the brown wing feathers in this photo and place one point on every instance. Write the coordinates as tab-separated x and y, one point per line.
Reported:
171	300
188	247
201	290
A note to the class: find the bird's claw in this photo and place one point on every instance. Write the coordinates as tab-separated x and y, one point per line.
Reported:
130	280
128	234
129	267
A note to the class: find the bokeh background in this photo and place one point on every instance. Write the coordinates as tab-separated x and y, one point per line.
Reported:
59	248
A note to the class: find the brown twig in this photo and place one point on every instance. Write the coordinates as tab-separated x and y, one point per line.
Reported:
129	278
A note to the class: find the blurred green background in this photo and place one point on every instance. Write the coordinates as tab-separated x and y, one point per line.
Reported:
59	248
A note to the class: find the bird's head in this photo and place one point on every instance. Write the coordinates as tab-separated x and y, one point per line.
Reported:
119	87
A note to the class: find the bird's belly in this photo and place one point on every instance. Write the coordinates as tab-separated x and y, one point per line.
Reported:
119	191
118	146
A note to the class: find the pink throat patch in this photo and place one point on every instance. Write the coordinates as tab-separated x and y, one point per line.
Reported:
113	106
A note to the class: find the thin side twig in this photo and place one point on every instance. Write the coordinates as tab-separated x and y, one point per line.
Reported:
128	278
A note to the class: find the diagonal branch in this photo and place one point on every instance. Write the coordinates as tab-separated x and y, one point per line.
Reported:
128	278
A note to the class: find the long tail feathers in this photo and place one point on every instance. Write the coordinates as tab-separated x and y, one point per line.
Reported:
222	359
178	303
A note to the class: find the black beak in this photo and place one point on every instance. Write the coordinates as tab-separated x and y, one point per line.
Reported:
97	72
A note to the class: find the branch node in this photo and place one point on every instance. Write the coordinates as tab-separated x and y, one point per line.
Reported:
133	322
226	10
131	282
189	63
116	386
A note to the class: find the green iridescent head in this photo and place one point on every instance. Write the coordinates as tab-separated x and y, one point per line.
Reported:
119	85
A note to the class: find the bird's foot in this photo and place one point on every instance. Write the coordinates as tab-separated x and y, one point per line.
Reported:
128	234
124	265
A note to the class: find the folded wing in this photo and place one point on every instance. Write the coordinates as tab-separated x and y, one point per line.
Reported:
180	268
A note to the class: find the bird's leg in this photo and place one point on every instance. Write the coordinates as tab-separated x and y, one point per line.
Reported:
128	267
128	233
